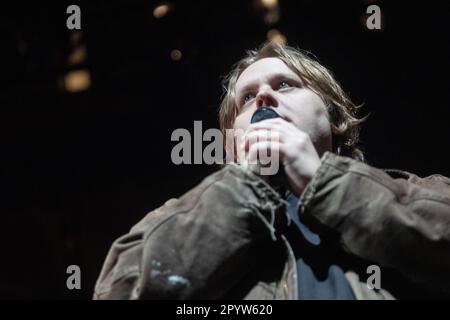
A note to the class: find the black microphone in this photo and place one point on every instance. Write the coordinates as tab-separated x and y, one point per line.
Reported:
264	113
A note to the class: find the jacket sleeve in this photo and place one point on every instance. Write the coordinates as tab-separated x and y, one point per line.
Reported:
400	223
196	247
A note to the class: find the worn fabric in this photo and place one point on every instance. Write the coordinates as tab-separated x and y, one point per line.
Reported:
227	237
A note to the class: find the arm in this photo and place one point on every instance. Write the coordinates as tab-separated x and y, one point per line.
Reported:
398	223
199	246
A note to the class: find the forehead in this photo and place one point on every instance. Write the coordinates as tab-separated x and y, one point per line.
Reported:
262	70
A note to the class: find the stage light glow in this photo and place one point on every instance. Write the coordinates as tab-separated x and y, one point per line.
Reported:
161	10
276	36
272	17
269	4
79	80
77	56
176	55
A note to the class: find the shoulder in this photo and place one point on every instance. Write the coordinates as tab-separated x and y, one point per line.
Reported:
152	215
436	182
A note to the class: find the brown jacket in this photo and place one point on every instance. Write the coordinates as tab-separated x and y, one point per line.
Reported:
224	238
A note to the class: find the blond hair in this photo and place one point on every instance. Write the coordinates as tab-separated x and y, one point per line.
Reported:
345	126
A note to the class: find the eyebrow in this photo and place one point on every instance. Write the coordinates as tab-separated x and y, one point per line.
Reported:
251	85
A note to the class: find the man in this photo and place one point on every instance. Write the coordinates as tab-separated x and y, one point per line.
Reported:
237	235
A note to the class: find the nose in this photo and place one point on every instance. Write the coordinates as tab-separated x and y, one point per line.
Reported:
265	97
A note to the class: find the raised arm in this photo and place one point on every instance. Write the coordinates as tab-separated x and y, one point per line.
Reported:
400	223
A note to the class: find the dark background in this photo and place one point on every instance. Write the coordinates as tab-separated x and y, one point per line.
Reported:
79	169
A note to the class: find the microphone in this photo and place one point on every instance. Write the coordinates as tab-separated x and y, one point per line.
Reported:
263	113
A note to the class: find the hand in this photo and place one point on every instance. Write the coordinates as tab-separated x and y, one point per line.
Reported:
297	153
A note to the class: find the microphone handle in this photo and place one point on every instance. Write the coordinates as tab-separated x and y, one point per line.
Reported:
279	180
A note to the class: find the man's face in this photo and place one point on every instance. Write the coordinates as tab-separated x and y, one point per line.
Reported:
270	82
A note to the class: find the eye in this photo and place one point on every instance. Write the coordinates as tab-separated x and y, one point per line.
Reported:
284	84
248	97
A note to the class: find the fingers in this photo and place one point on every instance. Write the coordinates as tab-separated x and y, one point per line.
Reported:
270	124
264	138
264	152
274	138
285	129
260	135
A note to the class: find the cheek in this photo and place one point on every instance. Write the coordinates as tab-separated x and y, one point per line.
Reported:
310	114
242	121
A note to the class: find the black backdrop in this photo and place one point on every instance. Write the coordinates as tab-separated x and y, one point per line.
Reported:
79	169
